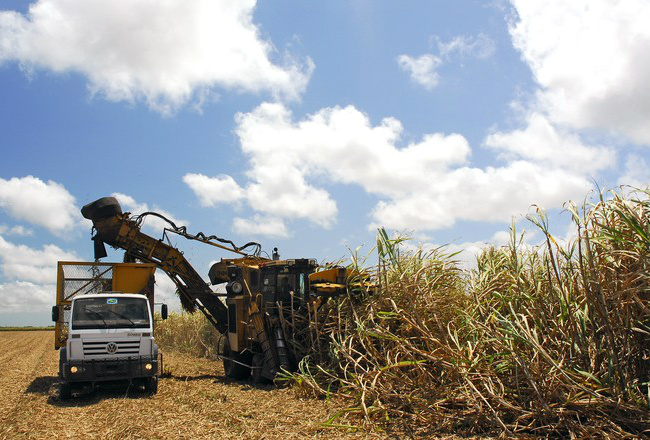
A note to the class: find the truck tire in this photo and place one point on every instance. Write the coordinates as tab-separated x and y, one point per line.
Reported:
101	208
62	358
232	363
151	385
65	391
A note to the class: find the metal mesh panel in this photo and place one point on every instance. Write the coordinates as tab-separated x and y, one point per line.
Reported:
80	279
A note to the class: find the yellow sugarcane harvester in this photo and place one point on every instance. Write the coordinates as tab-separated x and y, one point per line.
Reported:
261	296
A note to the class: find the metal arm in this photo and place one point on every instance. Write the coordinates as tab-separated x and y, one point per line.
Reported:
121	231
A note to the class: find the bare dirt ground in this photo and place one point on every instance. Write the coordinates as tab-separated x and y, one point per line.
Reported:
195	401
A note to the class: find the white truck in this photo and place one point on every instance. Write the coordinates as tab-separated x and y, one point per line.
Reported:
108	337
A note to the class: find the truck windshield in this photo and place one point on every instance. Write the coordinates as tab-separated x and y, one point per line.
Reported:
109	312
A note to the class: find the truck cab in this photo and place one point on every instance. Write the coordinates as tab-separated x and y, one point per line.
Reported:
110	338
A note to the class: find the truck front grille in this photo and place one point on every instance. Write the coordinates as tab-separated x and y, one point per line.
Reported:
130	347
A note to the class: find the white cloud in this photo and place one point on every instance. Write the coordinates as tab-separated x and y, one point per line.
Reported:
22	263
541	142
19	230
590	59
47	204
214	190
480	47
342	143
24	296
424	185
258	225
165	53
31	278
156	224
165	291
422	69
476	194
636	172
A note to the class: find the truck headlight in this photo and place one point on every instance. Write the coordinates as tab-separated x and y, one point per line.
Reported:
73	369
148	367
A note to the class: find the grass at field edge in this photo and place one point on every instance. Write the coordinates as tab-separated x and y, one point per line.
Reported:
26	329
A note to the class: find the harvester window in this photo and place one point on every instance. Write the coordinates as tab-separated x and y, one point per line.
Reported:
283	283
286	284
252	278
301	287
269	280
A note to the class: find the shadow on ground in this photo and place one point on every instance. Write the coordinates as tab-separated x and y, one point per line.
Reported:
41	385
247	384
49	386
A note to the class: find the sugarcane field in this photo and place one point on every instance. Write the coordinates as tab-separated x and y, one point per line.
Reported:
245	219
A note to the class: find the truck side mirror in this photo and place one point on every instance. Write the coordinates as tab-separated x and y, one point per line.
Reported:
55	313
163	311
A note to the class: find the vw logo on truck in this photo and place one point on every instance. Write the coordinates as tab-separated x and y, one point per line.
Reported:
111	348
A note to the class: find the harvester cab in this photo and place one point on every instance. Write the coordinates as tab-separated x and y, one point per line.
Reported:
263	299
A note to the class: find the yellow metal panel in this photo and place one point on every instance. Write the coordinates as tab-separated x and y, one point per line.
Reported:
328	287
237	339
59	336
333	275
131	277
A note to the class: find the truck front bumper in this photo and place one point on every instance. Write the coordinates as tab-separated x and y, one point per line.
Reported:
97	370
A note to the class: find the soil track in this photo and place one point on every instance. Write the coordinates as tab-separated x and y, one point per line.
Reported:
195	401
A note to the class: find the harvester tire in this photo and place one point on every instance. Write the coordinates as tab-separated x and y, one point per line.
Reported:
235	365
65	391
102	208
258	368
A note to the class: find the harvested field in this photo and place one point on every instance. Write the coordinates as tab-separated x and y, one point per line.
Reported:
195	401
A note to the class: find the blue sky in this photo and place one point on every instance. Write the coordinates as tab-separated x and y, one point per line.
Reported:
305	125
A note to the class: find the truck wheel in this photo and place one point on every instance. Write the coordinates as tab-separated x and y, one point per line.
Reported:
65	391
232	363
62	358
151	385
